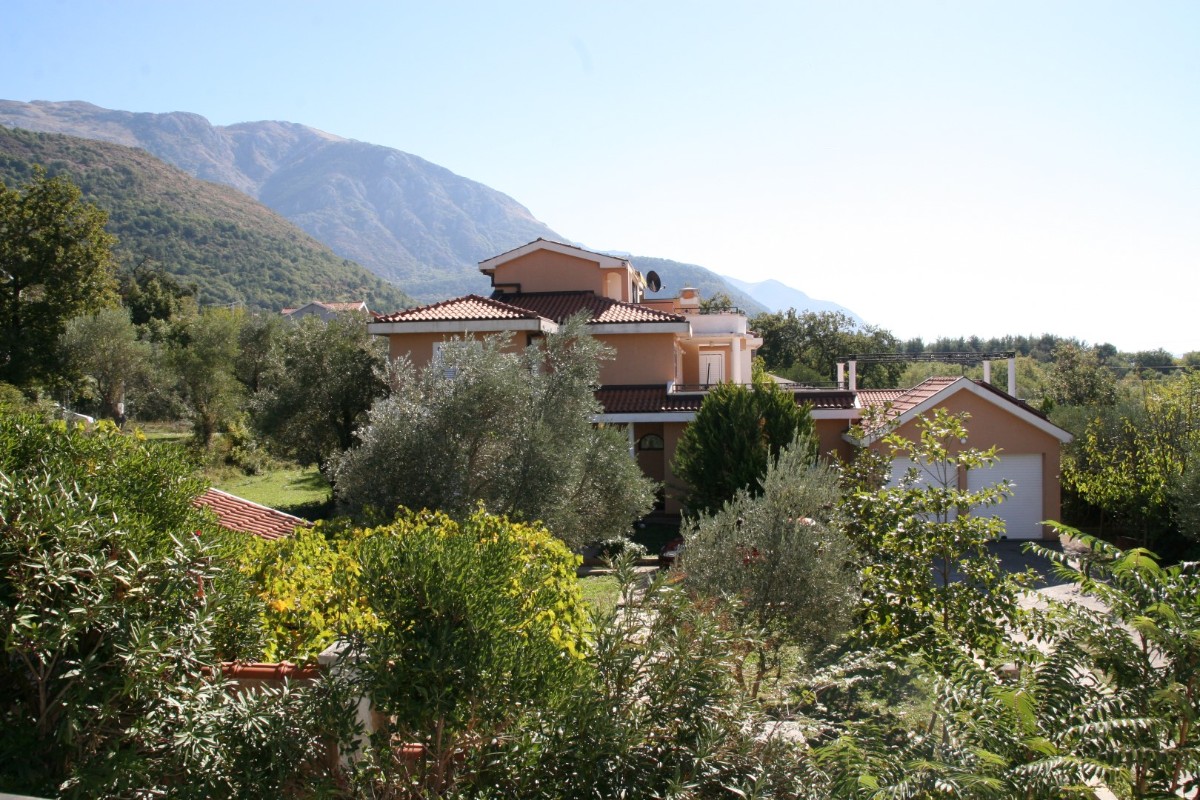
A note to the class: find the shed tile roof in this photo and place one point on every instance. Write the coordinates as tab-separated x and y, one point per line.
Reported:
904	400
558	306
824	399
239	514
471	307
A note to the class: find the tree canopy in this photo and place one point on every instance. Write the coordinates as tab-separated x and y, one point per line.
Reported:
737	433
320	380
511	430
55	264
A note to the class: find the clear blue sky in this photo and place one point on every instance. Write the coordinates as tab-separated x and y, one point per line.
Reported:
942	168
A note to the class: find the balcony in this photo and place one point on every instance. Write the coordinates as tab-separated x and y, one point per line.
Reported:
787	386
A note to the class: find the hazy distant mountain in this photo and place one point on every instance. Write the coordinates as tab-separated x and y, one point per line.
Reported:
779	297
403	218
233	248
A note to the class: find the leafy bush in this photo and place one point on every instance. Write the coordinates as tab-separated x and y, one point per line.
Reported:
479	620
112	604
656	713
737	433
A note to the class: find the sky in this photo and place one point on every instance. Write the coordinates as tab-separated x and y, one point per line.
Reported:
941	168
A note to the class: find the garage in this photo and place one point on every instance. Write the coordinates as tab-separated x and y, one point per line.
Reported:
1022	510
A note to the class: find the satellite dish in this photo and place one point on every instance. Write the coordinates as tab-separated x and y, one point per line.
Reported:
653	282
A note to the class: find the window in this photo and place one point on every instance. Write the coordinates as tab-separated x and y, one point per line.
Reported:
651	441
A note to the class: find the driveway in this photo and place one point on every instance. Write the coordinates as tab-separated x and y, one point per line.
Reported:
1013	558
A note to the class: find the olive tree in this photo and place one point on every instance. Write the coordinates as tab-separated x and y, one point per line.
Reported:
104	348
202	352
512	431
779	560
321	379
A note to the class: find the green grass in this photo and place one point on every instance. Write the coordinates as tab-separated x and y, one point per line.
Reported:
300	491
163	431
602	591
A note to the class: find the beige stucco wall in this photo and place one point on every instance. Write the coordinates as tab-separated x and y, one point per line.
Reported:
647	358
830	434
547	271
419	346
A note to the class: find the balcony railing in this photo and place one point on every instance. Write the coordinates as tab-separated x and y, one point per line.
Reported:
787	386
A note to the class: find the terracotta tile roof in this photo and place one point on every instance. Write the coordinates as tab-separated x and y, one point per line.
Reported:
558	306
460	309
824	399
642	399
904	400
626	399
238	514
877	397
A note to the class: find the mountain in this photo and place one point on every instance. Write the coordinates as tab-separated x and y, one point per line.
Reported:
780	297
676	275
234	249
403	218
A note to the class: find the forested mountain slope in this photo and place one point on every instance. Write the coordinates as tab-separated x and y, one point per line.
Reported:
234	249
403	218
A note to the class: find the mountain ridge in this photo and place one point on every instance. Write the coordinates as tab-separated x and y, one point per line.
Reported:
404	218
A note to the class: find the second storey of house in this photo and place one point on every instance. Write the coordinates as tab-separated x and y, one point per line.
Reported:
538	286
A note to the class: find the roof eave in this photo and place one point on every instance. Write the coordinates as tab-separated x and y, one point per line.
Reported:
488	266
539	325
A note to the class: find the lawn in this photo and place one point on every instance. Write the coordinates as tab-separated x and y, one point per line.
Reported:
300	491
602	591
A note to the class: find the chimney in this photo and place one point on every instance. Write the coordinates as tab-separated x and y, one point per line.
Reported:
841	374
1012	374
689	299
853	375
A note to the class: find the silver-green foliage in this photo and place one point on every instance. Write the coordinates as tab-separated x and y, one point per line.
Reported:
321	378
105	350
780	559
512	430
656	714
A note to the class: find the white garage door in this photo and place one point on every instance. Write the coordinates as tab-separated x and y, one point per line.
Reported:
1022	511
